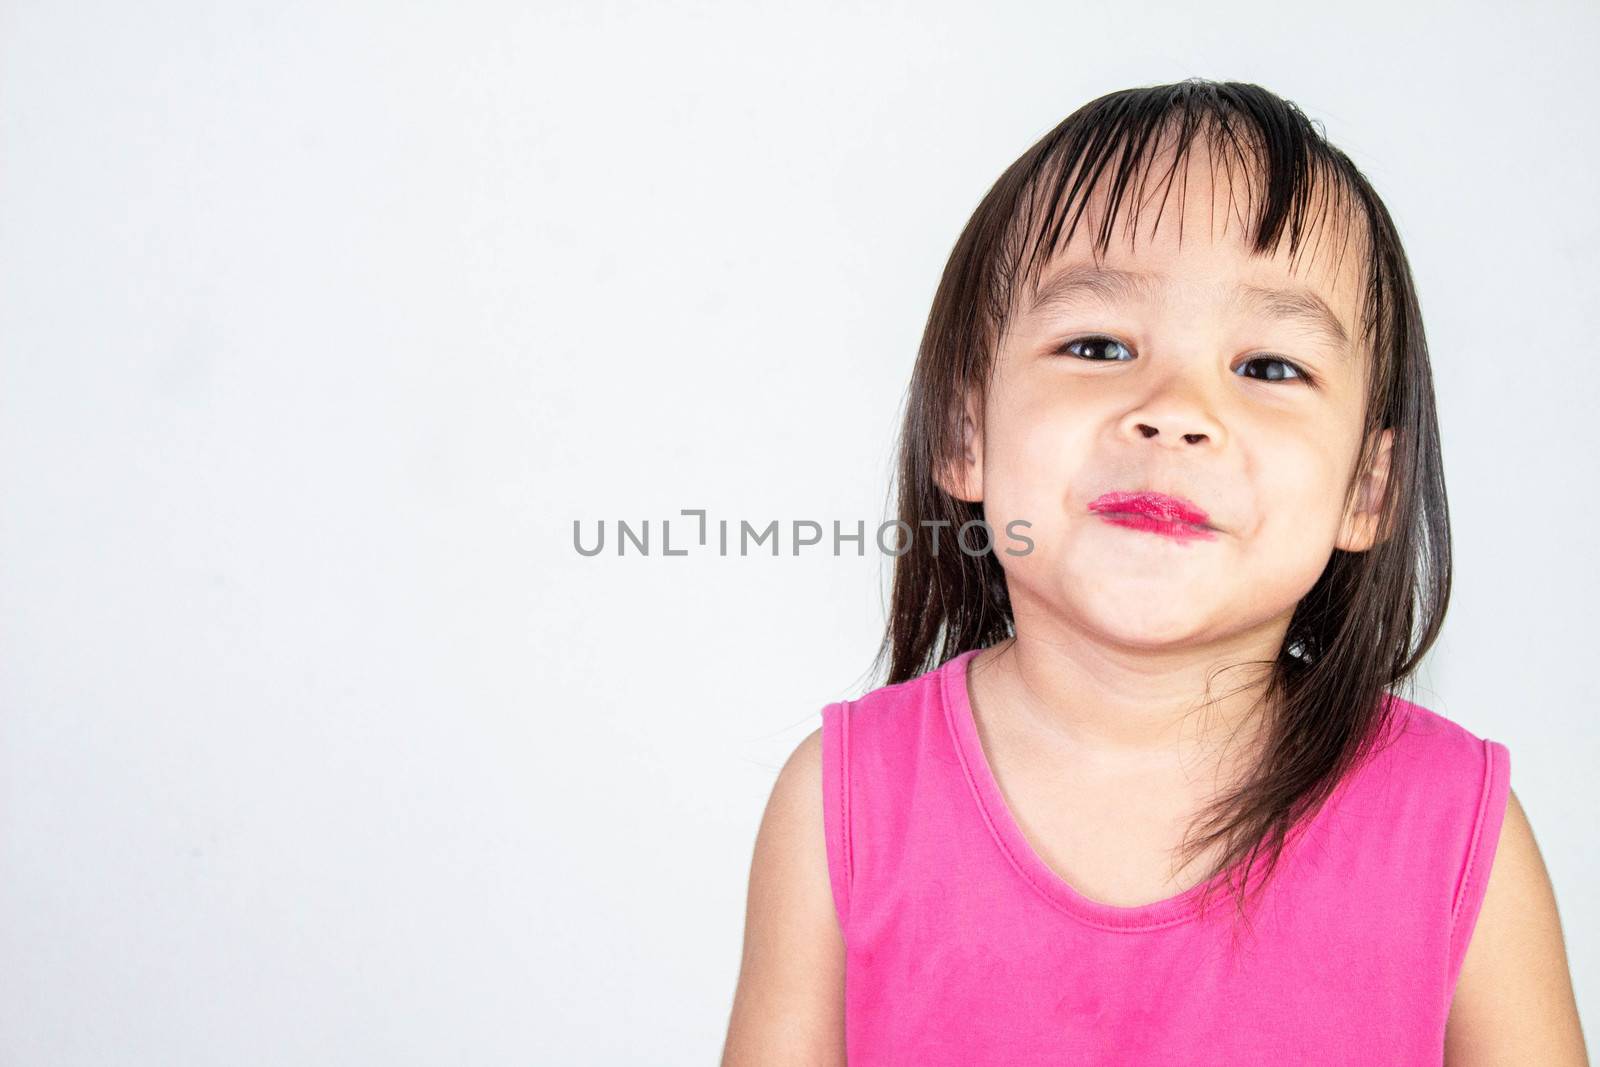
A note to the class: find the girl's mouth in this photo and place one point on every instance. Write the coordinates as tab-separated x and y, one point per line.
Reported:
1157	513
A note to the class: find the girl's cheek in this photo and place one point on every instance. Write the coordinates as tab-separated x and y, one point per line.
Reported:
1034	475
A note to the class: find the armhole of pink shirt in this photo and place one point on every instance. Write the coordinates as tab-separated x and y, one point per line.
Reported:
1474	879
836	805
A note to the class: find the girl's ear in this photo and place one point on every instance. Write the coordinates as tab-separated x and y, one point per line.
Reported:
1359	531
964	479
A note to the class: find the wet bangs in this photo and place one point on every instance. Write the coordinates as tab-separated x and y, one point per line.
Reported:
1120	156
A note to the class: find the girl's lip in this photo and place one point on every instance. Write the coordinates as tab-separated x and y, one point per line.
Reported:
1156	509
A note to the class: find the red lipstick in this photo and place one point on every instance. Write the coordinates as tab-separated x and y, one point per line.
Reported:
1156	513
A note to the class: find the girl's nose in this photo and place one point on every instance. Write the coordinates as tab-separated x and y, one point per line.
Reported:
1176	425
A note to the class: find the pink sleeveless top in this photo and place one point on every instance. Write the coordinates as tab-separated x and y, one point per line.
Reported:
964	947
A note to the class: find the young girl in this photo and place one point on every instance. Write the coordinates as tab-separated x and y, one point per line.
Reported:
1137	790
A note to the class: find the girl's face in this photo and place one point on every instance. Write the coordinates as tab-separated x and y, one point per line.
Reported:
1230	381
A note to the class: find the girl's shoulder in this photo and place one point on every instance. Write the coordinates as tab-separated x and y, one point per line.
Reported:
1430	748
1431	795
1440	794
900	704
912	689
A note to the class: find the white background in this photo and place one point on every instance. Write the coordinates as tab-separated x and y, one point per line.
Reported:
321	323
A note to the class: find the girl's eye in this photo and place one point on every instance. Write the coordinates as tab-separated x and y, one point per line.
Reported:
1090	348
1093	344
1275	375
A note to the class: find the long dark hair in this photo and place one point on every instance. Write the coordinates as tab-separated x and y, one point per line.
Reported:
1371	616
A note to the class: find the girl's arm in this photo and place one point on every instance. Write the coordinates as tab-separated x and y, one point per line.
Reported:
1513	999
789	1005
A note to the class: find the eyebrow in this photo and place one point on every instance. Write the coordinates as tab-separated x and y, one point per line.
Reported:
1110	285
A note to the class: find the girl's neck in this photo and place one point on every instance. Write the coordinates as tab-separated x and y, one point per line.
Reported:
1130	711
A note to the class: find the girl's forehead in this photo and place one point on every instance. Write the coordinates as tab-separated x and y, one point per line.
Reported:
1192	227
1200	272
1316	293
